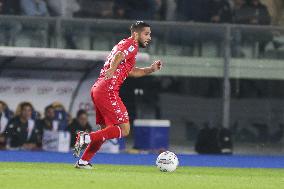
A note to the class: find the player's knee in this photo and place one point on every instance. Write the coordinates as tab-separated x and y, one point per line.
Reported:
125	129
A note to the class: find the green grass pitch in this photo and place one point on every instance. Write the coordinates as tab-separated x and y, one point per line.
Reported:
64	176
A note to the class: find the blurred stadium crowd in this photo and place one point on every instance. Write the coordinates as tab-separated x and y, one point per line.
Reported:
214	11
248	12
24	128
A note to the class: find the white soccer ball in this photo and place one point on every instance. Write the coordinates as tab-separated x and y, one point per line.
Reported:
167	161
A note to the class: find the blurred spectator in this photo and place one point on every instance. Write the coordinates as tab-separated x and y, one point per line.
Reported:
34	8
58	106
37	31
168	10
63	8
259	13
276	9
1	6
192	10
119	9
22	132
61	115
48	122
96	9
8	113
80	123
9	29
240	12
66	9
253	13
136	10
160	10
3	124
220	11
11	7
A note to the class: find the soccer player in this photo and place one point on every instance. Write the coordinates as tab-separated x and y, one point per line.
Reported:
111	113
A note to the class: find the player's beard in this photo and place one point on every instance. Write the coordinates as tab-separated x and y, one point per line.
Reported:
141	44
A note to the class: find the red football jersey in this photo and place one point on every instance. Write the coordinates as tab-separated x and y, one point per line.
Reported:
130	48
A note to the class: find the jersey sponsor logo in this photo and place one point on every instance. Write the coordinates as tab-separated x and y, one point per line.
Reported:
131	48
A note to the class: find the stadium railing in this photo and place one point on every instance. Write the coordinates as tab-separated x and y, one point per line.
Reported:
202	46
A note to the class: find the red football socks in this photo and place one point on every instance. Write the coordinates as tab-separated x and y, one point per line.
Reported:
98	138
107	133
91	150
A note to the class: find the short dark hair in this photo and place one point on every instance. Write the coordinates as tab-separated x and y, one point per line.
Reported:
48	107
3	103
26	104
80	112
138	26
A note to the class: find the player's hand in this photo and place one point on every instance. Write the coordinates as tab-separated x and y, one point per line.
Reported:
157	65
109	73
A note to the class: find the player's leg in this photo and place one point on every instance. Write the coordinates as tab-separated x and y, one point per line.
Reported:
83	138
99	137
115	116
116	119
91	150
92	146
125	129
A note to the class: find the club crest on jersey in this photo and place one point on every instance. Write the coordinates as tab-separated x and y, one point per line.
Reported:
131	48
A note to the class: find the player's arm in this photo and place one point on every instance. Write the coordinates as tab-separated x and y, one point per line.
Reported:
140	72
118	57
